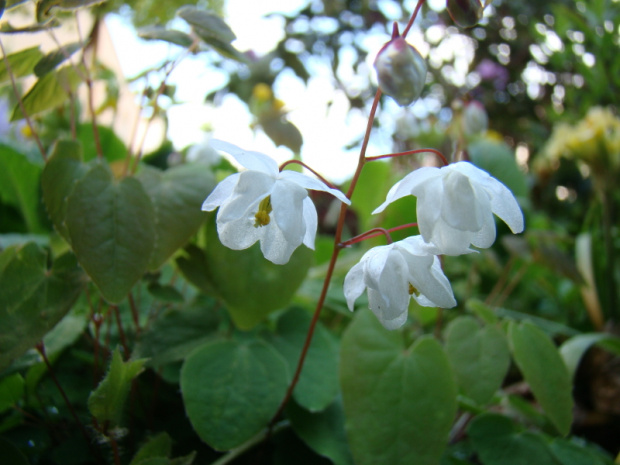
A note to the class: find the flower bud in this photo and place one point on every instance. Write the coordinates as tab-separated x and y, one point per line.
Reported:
465	13
475	118
401	71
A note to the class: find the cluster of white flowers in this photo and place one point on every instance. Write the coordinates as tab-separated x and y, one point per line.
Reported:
455	206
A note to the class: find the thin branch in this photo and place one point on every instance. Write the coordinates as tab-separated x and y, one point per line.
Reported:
299	162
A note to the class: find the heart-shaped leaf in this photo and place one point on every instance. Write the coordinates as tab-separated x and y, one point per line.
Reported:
399	402
252	286
318	383
22	63
60	174
543	369
232	389
479	356
33	298
112	230
177	195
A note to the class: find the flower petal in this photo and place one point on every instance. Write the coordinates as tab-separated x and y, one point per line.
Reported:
221	193
378	306
311	222
251	188
275	246
354	284
287	202
238	234
503	202
251	160
313	184
406	185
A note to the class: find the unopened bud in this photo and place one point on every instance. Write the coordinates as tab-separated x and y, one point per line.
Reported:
465	13
475	118
401	71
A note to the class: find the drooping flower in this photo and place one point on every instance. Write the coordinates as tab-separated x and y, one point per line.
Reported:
395	273
455	206
266	205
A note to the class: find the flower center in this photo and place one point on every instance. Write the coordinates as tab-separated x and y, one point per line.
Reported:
261	218
413	290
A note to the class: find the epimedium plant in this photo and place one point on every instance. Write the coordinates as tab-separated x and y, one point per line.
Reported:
126	279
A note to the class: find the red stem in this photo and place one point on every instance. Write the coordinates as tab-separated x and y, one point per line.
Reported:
121	332
337	241
411	152
378	232
299	162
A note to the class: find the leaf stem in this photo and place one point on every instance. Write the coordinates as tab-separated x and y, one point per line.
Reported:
20	102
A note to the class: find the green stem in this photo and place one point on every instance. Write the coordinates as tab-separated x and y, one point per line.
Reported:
610	252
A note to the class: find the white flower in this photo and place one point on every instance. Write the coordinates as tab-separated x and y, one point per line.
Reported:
393	274
455	206
266	205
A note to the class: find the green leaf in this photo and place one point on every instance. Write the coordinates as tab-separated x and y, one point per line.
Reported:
232	389
399	402
58	179
11	454
106	402
157	446
176	333
252	286
545	372
323	432
498	442
206	24
165	293
44	7
112	229
318	383
112	147
48	92
55	58
22	63
498	159
212	30
568	452
19	185
34	298
11	391
177	195
482	311
193	265
281	131
479	356
373	186
573	349
168	35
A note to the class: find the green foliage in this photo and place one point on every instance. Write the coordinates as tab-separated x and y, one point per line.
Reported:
50	61
22	63
107	401
177	195
399	401
545	372
479	357
231	389
318	383
19	185
48	92
34	297
265	287
112	229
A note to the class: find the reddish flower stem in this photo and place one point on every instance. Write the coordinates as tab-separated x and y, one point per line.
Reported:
337	242
299	162
439	155
377	232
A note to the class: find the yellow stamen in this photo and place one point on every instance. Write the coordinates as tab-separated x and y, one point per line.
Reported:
261	218
413	290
